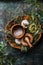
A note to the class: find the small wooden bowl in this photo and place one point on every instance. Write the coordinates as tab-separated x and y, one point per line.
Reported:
17	31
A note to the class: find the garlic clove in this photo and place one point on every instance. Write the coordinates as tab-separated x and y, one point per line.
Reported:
24	23
17	41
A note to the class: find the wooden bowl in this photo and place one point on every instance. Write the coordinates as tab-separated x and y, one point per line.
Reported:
17	31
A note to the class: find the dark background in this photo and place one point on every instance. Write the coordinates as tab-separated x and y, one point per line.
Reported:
17	0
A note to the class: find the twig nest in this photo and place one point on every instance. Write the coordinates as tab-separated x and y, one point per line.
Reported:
17	31
24	23
24	32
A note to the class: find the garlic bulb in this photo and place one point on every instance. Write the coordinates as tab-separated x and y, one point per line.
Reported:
17	41
24	23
